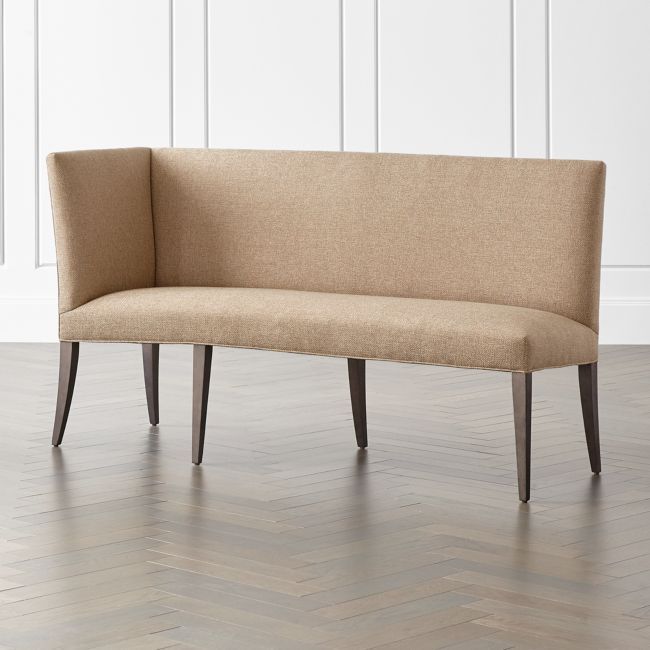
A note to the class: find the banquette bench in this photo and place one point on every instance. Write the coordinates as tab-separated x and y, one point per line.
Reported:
467	262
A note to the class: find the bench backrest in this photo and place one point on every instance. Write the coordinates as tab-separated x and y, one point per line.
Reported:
510	231
516	232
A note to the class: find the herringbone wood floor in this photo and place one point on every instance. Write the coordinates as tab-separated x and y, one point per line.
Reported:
287	537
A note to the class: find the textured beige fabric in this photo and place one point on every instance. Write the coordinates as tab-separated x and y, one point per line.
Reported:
473	262
101	201
463	334
505	231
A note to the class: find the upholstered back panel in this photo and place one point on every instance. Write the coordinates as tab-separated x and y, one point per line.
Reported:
101	202
509	231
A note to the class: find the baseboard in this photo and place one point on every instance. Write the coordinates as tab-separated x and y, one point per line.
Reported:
625	321
622	320
28	320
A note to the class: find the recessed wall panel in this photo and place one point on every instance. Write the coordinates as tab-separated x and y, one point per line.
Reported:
273	73
445	76
600	108
102	80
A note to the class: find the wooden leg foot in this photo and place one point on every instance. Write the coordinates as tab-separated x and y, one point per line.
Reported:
357	377
201	388
68	361
150	360
522	401
588	379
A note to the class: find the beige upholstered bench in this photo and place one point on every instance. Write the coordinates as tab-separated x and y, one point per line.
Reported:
466	262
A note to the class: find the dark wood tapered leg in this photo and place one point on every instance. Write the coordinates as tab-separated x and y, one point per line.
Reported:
201	388
522	401
357	376
68	361
588	379
150	360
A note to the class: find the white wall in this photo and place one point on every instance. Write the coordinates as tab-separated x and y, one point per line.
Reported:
558	78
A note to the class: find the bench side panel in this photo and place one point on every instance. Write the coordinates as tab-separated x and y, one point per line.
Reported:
518	232
101	204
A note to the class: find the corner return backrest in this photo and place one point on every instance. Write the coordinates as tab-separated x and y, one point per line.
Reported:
509	231
101	205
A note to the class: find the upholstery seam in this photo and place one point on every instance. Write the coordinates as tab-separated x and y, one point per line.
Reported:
321	354
153	223
56	254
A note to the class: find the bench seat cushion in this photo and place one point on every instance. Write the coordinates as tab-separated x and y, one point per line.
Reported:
440	332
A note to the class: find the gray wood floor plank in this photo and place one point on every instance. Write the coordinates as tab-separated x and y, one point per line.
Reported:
289	537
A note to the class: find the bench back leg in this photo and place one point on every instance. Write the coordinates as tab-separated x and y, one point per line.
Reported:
68	361
200	390
588	379
357	377
522	402
150	361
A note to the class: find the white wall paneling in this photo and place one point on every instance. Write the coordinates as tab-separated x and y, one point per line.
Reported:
532	78
445	76
359	81
2	146
530	110
102	80
274	74
189	56
600	102
27	294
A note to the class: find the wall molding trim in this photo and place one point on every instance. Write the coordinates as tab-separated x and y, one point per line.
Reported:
376	73
37	144
548	63
2	138
206	72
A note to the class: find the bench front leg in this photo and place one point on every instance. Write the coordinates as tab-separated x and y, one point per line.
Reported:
150	361
200	390
522	383
68	361
357	377
588	379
